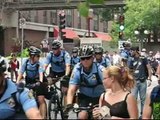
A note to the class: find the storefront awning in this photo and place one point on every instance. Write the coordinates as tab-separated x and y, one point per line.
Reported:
70	34
103	36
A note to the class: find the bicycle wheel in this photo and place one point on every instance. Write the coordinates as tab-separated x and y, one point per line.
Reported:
52	108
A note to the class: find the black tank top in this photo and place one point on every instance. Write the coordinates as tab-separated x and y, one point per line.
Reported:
118	109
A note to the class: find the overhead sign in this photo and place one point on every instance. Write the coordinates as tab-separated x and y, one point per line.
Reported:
90	42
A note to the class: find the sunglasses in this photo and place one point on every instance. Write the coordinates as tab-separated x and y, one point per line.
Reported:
99	53
85	58
35	55
55	48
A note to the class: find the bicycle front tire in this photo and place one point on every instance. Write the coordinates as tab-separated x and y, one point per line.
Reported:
52	108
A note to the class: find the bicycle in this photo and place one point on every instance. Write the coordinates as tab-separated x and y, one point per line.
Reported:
76	109
55	104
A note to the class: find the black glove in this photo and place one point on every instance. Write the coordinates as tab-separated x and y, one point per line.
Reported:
65	81
66	77
67	108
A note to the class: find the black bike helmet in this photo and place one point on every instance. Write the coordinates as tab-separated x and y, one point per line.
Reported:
98	50
126	44
56	44
86	51
34	51
3	65
75	50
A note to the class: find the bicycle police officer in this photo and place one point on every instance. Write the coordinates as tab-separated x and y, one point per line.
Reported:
98	51
34	74
9	95
87	77
60	63
74	58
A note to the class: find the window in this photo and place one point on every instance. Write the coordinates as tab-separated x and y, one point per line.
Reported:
69	18
105	26
95	23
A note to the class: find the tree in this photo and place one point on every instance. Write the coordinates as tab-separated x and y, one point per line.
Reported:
84	7
139	14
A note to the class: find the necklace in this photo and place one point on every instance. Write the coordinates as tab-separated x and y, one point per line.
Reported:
115	93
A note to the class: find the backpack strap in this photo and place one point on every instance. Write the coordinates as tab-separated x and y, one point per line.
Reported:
84	82
63	56
18	106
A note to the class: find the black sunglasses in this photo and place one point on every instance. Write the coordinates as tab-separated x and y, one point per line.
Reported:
98	53
55	48
86	58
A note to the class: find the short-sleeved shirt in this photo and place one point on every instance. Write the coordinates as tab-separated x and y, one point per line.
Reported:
139	66
58	62
8	102
32	70
91	79
105	62
75	60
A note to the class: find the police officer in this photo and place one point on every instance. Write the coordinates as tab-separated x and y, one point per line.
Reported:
60	63
74	58
9	95
87	77
98	51
33	68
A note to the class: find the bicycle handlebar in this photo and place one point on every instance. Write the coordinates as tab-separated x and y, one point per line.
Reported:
88	108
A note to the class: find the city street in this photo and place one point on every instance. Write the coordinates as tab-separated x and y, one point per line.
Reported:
73	115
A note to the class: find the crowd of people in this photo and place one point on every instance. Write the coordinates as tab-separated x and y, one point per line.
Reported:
113	81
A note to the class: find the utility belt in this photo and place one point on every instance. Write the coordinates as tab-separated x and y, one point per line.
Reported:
141	79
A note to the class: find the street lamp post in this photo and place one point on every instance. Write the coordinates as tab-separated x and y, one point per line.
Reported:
22	22
140	34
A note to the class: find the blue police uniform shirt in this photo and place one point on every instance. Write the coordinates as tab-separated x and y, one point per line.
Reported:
105	62
91	78
58	62
75	60
32	70
7	102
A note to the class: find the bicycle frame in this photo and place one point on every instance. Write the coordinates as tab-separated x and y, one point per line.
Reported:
57	100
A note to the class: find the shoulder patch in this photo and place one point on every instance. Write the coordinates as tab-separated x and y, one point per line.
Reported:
30	94
11	102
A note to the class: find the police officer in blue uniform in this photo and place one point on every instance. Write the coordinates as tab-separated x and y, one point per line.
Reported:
60	61
34	70
87	77
74	58
99	57
11	98
125	54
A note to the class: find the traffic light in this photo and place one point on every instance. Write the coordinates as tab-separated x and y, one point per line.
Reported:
121	35
121	27
62	18
121	22
63	34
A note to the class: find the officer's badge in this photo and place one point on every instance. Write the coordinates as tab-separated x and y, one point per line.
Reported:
30	94
93	77
11	102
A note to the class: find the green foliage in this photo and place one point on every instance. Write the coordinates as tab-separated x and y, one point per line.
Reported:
96	1
83	7
139	14
25	53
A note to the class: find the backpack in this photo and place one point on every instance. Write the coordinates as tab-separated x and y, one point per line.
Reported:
155	102
58	63
37	67
84	82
